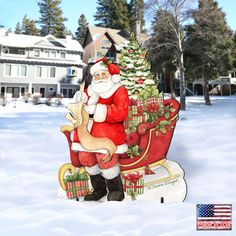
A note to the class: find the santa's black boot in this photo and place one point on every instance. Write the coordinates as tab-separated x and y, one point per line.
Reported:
99	188
115	189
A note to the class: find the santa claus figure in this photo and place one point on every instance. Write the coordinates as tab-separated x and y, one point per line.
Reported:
107	104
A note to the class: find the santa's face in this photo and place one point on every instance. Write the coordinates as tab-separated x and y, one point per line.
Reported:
102	82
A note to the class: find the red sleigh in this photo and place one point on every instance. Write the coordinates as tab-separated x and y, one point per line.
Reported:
153	143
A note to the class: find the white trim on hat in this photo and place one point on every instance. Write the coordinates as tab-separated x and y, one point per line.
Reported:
99	66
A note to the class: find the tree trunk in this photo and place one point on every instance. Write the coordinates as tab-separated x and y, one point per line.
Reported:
173	96
206	91
182	82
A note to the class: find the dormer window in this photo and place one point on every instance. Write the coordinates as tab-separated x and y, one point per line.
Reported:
54	54
36	53
71	71
63	55
47	53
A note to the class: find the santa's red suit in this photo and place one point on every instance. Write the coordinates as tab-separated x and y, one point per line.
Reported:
110	111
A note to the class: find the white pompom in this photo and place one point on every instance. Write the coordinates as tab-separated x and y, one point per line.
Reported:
116	78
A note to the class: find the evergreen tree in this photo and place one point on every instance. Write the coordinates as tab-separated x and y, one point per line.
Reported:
135	69
136	11
113	14
18	28
81	30
210	43
9	30
162	48
234	50
29	26
68	32
51	19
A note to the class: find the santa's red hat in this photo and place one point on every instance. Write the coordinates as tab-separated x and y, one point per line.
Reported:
105	64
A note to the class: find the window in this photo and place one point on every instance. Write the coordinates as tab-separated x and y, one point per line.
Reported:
99	54
5	50
63	55
71	71
8	69
23	71
105	41
47	53
51	89
2	91
39	71
52	72
36	53
233	74
105	47
54	54
21	51
22	91
15	70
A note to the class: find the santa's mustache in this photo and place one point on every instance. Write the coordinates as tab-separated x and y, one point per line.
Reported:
100	81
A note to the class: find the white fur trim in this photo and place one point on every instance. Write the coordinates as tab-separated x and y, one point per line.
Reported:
90	125
76	147
111	91
99	66
91	92
100	113
116	78
93	170
93	99
111	173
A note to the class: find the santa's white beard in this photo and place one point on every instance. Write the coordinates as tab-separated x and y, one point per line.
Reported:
102	86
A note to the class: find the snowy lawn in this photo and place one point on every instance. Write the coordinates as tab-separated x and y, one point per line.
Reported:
32	149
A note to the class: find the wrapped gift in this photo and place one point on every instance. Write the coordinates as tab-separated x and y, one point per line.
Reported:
76	185
133	184
152	105
151	101
134	118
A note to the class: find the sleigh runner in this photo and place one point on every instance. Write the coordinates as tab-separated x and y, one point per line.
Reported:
148	141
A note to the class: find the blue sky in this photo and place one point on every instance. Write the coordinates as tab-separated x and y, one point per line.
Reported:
12	11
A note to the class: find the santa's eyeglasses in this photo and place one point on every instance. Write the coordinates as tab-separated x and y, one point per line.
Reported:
101	75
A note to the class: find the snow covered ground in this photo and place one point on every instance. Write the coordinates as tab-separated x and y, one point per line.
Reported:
32	149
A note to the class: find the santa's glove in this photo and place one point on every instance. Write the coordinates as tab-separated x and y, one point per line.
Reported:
80	97
90	108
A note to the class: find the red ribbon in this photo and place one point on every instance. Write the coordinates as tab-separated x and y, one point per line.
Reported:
133	102
133	178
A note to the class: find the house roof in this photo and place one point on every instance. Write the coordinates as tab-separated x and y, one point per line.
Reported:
118	36
49	41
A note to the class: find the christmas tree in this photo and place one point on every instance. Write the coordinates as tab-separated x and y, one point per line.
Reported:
135	69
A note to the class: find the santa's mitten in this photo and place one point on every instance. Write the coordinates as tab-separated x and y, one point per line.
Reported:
90	109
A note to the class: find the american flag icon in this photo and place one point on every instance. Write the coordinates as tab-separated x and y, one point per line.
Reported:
214	216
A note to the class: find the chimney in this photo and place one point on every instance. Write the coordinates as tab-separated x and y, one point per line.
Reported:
136	28
2	31
68	37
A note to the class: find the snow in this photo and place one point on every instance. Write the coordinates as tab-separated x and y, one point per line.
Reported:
32	149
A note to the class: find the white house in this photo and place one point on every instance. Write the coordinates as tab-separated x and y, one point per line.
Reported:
33	64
